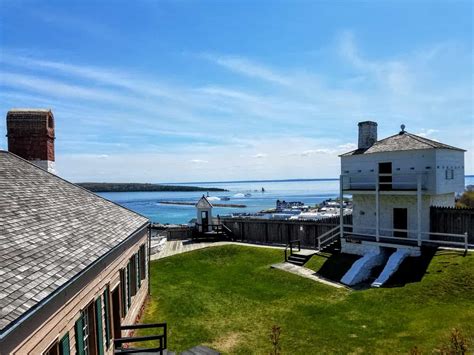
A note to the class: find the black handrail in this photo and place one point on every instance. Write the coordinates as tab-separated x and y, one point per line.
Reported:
290	245
118	342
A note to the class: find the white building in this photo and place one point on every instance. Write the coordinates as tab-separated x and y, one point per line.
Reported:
394	181
204	215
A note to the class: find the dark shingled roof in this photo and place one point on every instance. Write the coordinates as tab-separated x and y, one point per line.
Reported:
399	142
50	231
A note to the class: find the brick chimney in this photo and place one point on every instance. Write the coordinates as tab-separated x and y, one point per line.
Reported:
367	134
30	135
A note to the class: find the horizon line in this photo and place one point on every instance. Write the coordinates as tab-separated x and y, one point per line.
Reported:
265	180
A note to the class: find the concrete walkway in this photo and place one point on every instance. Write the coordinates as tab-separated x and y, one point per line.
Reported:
306	273
174	247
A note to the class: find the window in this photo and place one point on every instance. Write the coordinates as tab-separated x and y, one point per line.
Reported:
123	293
107	316
53	349
89	330
133	275
449	174
60	347
64	346
129	293
137	266
99	326
143	262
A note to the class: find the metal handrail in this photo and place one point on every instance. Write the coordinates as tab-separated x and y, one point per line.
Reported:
118	342
290	245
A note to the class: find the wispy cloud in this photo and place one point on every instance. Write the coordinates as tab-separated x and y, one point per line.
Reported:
248	68
301	114
199	161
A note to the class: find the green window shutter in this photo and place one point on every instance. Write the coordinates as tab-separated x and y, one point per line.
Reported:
107	317
124	292
129	293
79	335
98	326
137	263
64	345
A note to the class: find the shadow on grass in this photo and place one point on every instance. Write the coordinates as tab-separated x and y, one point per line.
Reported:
336	265
412	269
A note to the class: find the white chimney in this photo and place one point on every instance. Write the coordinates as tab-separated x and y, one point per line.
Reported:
367	134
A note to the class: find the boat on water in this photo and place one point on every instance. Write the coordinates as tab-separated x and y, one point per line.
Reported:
225	198
248	194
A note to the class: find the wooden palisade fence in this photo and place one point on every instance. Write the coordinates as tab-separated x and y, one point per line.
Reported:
281	232
452	220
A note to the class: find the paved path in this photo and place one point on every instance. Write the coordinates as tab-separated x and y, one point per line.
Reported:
306	273
174	247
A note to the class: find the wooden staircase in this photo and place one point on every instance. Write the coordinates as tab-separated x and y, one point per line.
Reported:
329	240
217	232
298	259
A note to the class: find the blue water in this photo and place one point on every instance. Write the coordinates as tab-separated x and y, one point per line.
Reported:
310	192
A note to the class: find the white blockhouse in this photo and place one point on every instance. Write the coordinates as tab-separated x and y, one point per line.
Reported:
204	215
394	181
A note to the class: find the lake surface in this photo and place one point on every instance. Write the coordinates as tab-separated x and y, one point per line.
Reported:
148	204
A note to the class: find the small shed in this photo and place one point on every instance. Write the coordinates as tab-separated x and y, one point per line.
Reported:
204	215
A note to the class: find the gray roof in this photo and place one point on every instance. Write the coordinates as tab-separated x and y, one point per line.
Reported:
400	142
203	203
50	231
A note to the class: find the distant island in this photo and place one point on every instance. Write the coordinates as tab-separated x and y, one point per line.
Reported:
139	187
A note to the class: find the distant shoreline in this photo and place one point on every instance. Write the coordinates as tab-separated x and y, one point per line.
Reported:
185	203
139	187
247	181
253	181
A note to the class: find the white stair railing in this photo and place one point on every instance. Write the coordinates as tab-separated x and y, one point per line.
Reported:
328	237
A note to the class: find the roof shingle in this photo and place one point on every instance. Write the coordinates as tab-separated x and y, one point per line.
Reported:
50	231
400	142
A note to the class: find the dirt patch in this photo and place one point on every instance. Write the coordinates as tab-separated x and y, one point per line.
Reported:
227	342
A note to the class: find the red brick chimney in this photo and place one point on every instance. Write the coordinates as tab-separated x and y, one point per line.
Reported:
30	135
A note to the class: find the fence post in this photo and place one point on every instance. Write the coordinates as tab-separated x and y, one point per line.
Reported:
341	206
465	242
418	208
377	205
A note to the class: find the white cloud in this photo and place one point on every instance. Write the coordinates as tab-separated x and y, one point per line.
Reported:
246	67
302	114
310	152
427	133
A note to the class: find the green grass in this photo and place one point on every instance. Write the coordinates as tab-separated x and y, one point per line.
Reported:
228	298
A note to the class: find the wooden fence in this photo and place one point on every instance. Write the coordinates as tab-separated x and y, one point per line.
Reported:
280	232
452	220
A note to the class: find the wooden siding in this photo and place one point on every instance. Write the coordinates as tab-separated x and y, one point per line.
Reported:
63	320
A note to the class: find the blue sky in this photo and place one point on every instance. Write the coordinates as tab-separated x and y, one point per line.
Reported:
162	91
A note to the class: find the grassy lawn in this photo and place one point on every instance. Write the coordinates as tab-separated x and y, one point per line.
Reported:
228	298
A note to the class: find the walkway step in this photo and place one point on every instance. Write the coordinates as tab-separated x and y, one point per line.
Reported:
297	260
306	273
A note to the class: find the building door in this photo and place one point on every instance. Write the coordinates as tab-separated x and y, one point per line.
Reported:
204	220
385	176
400	221
116	313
